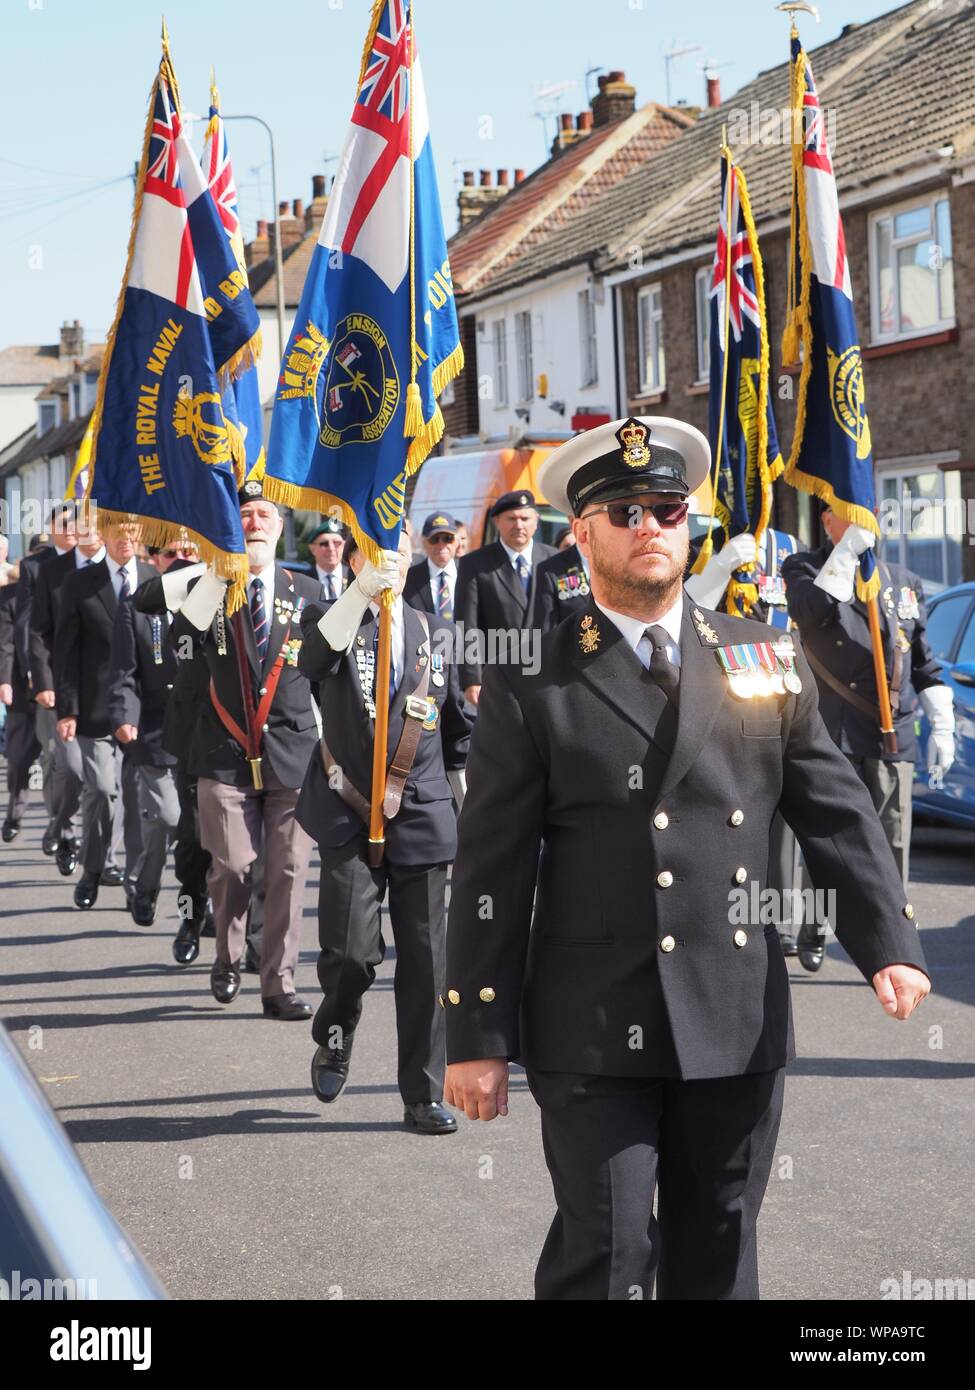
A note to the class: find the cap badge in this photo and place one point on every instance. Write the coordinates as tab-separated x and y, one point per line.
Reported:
523	500
252	488
589	635
633	441
440	521
704	630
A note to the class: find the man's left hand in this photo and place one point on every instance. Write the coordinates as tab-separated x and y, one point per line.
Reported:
900	988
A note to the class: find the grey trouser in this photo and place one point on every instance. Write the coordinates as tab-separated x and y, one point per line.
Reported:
104	772
231	823
61	766
159	805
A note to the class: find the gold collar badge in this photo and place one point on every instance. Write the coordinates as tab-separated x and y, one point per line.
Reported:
704	630
589	635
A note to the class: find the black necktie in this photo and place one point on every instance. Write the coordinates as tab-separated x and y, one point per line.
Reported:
443	598
329	588
262	630
662	669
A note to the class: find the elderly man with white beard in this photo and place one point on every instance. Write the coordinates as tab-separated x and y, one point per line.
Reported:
253	741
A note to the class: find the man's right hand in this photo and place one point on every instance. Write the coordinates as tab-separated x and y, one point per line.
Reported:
372	579
472	694
480	1089
67	728
45	698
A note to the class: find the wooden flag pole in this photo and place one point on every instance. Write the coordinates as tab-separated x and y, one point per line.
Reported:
380	695
880	675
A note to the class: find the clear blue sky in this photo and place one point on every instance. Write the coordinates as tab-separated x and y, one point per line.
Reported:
75	79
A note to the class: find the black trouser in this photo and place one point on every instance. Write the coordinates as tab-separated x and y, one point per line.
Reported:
190	859
707	1146
22	749
350	895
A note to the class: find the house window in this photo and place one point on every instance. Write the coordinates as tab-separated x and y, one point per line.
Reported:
523	356
47	416
922	520
912	270
448	395
500	363
589	363
651	336
702	301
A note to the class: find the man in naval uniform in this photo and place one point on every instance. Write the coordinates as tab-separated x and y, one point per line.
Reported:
627	788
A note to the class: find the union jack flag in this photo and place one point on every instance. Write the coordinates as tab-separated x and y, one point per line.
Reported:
162	171
219	173
383	107
743	299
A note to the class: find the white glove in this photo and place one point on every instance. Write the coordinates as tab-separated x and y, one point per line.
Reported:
458	785
937	703
175	585
707	587
200	607
837	575
341	623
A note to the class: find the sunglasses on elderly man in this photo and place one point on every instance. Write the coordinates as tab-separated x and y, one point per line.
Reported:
634	514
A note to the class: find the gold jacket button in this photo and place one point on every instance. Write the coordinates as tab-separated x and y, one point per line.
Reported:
736	817
487	995
661	820
741	875
740	938
668	943
453	996
665	878
909	912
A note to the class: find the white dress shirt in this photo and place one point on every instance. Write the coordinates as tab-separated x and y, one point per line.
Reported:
515	555
397	646
450	570
131	569
265	577
81	561
634	629
334	576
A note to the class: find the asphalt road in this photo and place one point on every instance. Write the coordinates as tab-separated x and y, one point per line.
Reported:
198	1127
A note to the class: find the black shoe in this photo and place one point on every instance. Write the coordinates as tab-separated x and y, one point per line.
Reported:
429	1117
86	891
66	857
49	842
10	831
224	981
330	1070
290	1008
788	943
143	908
252	962
209	925
112	877
186	946
810	948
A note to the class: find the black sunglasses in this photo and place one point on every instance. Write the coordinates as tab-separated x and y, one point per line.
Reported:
634	514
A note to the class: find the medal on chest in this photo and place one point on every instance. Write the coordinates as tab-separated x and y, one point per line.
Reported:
756	670
907	605
365	662
155	627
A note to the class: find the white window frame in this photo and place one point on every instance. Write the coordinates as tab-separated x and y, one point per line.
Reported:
894	547
499	332
41	407
524	361
888	214
649	292
702	313
588	341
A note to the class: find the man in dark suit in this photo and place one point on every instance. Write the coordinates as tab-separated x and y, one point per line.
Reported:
143	676
431	584
253	740
632	782
427	747
836	638
90	600
22	746
561	588
37	609
494	584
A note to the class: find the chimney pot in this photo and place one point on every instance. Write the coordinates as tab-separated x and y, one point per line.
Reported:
318	186
584	121
617	77
262	228
503	178
714	91
519	176
487	178
565	121
283	208
298	208
468	178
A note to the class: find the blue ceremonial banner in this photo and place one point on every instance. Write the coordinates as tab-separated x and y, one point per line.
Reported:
165	454
744	440
375	340
244	388
831	453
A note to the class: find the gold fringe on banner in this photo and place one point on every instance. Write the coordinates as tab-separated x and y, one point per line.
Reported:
161	533
243	359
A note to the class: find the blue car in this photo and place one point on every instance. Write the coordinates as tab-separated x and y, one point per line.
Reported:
951	632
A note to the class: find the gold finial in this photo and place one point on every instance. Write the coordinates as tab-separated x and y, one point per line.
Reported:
792	7
165	37
214	94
